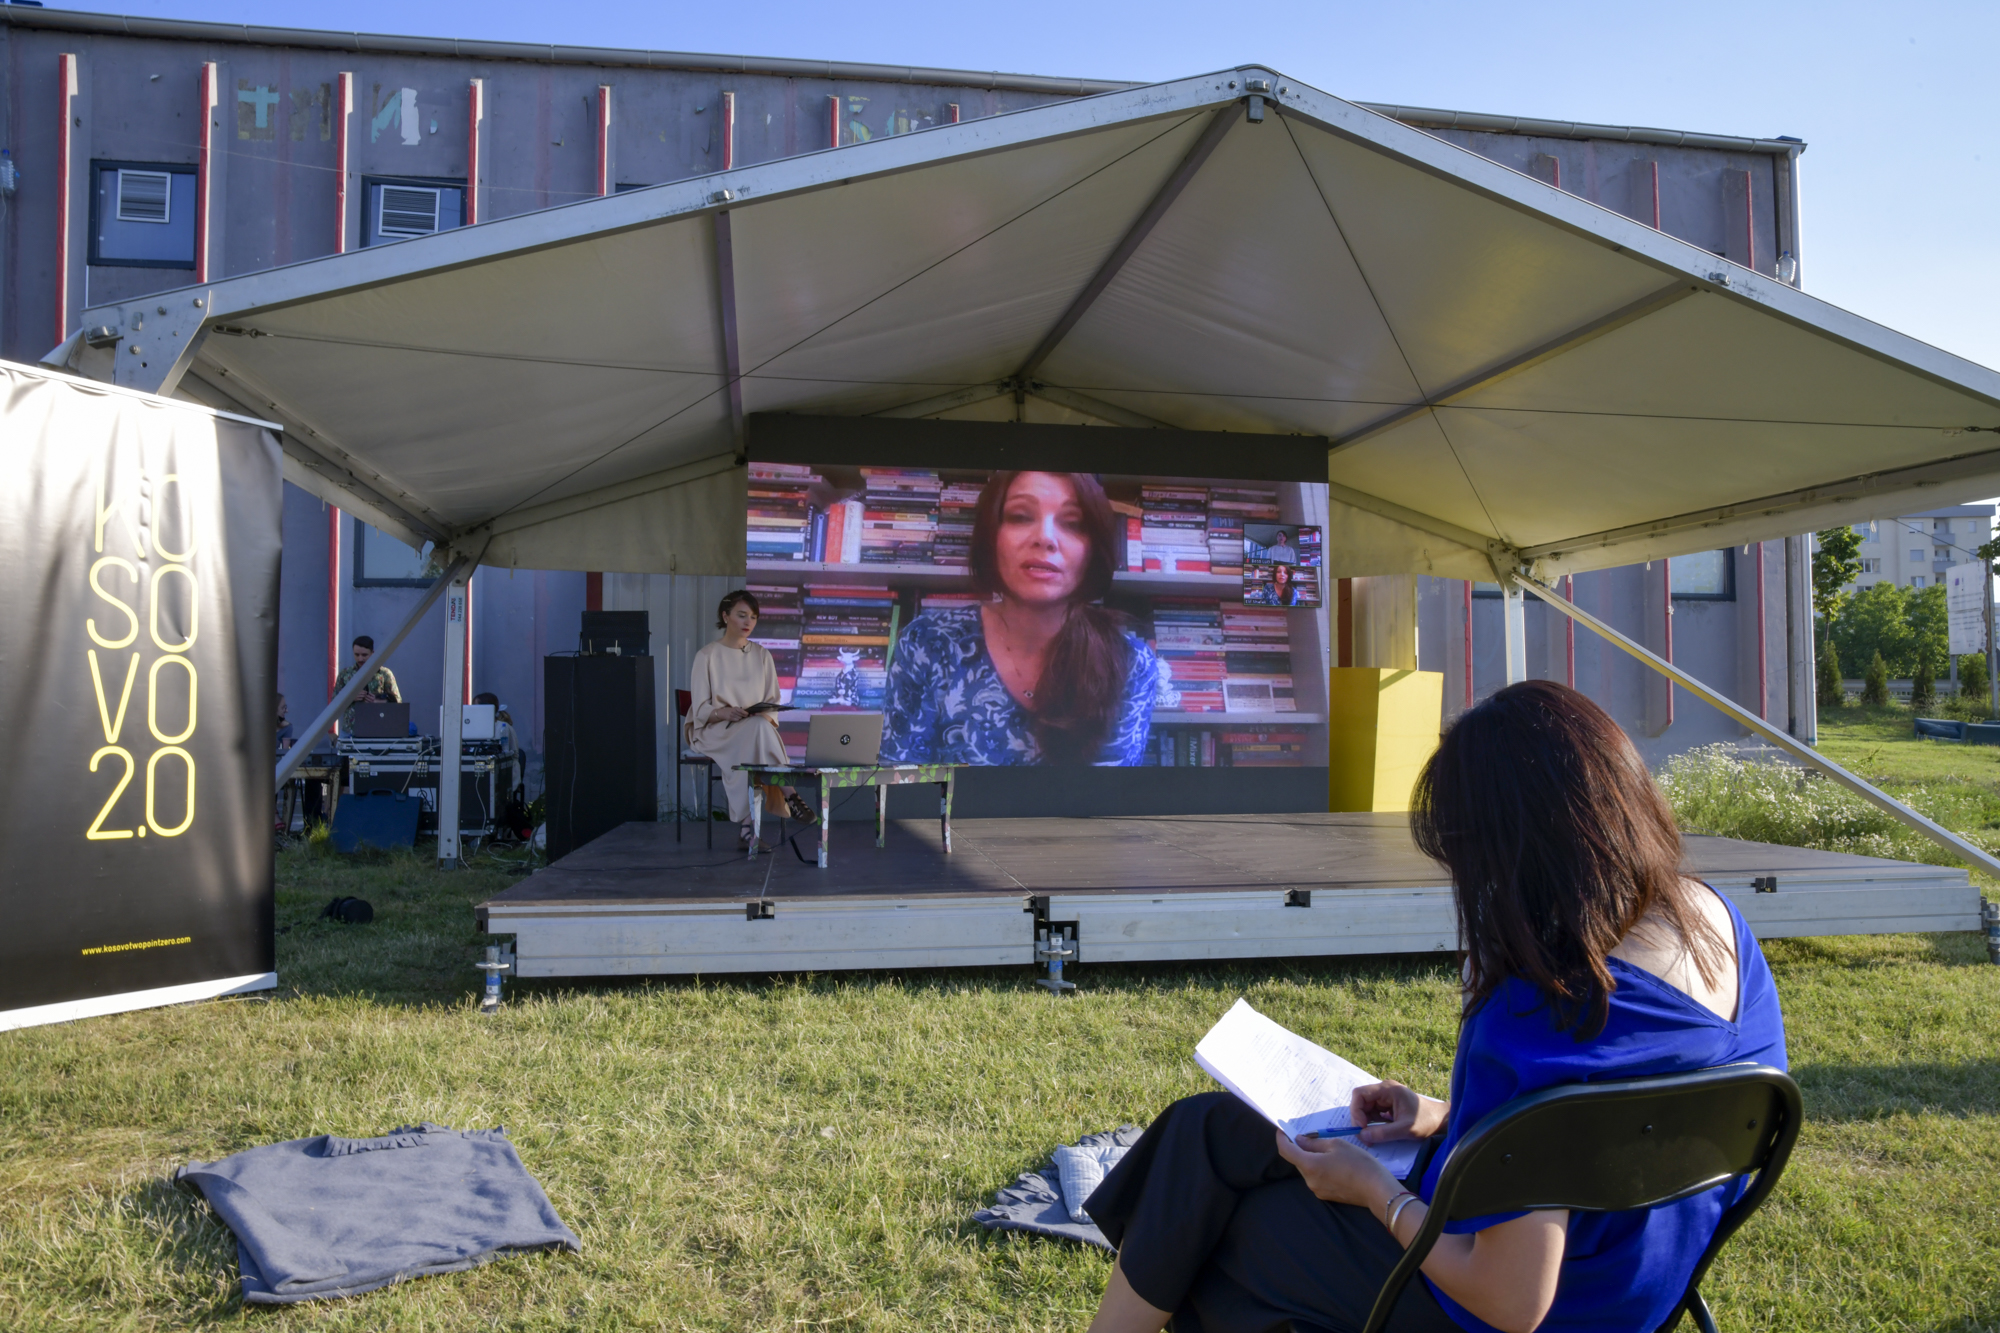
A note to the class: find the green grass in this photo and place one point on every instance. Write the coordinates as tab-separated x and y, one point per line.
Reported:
804	1153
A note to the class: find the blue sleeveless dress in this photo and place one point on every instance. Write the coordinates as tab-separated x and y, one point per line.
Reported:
1620	1270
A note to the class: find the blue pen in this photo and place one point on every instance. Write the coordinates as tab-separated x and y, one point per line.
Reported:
1347	1133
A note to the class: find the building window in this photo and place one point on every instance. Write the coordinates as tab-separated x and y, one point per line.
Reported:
1916	556
1940	553
396	208
380	561
1916	580
1868	531
142	214
1871	564
1705	576
1940	525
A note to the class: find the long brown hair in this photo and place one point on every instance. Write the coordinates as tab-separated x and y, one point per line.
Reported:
1083	681
1558	843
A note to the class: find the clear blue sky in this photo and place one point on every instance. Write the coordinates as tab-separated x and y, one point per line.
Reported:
1900	186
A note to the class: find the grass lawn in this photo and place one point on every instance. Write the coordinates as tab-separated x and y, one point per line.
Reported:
804	1153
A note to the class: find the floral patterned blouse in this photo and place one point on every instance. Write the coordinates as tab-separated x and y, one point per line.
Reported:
947	704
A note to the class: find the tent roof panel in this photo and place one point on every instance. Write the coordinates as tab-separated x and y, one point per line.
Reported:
571	365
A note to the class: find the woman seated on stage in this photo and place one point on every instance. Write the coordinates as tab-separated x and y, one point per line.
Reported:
1038	673
725	680
1587	957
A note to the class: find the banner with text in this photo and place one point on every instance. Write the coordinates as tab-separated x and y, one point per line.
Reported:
138	646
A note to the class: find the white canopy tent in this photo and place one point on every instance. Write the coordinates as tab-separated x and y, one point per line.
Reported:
1512	381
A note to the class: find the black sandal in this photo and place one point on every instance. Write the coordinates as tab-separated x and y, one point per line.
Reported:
800	811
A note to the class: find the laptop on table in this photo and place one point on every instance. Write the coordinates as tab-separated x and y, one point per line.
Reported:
379	721
844	740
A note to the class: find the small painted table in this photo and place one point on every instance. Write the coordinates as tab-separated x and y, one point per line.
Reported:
830	780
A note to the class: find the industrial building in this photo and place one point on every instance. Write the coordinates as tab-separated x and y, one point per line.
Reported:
151	155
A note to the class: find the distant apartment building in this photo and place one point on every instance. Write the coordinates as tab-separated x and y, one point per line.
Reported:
1914	551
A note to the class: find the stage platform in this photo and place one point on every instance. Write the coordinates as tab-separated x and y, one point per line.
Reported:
635	903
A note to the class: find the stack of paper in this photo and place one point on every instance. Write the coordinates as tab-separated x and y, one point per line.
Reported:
1297	1086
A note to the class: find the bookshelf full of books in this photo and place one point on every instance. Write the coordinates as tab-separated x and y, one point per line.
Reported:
842	557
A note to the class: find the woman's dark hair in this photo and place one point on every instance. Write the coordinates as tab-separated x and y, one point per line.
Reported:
1558	843
1083	682
729	601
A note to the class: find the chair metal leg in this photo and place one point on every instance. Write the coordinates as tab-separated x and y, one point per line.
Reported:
708	806
680	810
1703	1320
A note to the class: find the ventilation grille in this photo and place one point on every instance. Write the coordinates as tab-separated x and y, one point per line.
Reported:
408	211
144	196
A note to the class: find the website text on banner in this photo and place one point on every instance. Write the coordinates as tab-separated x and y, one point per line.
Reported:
1045	617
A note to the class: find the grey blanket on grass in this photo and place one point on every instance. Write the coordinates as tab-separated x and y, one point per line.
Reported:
328	1216
1034	1202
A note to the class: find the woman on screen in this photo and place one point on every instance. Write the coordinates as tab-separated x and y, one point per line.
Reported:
1037	673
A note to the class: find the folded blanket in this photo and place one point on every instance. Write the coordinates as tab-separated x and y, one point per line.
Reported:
328	1216
1035	1202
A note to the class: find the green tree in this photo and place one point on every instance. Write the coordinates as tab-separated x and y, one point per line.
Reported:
1972	674
1834	565
1875	620
1826	668
1923	684
1930	626
1875	685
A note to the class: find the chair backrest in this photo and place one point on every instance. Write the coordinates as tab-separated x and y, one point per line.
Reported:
1614	1146
683	701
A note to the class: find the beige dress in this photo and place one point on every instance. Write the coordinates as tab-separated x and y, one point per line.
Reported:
724	677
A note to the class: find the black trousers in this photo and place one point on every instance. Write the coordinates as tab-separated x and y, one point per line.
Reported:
1212	1224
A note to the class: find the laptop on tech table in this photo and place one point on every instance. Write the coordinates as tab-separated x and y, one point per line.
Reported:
844	740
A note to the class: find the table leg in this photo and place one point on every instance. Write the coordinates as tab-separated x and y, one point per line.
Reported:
950	775
756	816
825	817
881	815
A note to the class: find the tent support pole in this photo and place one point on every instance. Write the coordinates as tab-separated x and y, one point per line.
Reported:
1514	618
1805	754
352	690
452	722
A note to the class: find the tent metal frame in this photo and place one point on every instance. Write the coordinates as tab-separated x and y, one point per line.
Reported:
317	461
1519	583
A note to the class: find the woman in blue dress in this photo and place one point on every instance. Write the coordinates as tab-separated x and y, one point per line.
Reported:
1037	673
1587	956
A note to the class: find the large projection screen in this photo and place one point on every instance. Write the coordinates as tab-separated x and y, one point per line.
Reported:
138	642
892	576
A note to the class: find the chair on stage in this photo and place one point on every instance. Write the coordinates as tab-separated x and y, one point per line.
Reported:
691	758
1613	1147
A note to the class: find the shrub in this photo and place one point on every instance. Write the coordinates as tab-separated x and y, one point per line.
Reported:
1972	674
1875	686
1923	685
1714	790
1827	672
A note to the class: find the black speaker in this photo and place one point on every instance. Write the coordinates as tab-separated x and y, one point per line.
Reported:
598	741
617	632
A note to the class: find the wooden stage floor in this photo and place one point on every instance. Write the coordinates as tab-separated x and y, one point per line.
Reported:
635	902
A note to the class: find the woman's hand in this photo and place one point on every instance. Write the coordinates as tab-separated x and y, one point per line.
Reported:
727	714
1339	1172
1392	1111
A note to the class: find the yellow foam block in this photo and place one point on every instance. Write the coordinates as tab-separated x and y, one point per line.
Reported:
1383	724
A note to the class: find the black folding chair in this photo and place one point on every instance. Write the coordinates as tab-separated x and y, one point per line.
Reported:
1611	1147
691	758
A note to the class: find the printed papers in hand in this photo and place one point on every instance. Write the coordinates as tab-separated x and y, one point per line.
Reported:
1297	1086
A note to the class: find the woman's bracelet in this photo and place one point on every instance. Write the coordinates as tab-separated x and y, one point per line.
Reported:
1401	1201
